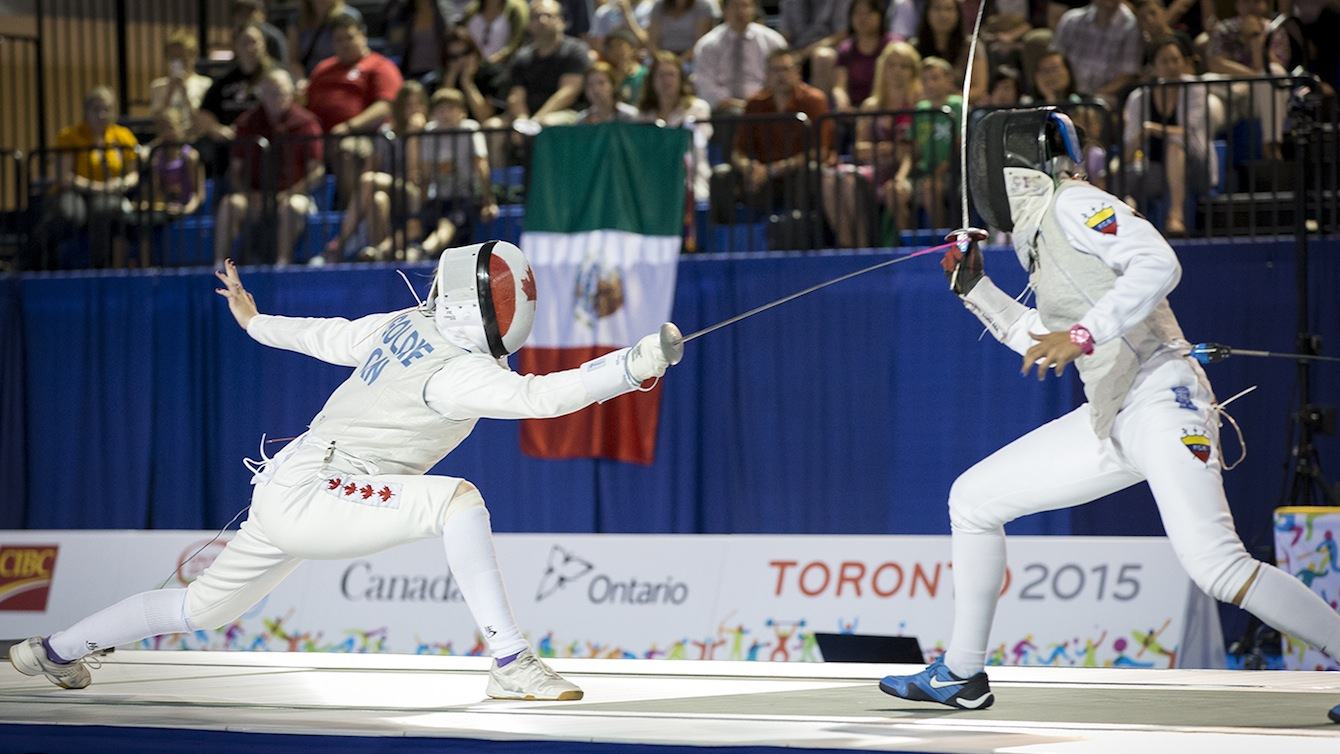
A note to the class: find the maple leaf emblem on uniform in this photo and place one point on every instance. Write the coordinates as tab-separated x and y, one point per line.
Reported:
350	488
333	484
528	284
385	493
366	492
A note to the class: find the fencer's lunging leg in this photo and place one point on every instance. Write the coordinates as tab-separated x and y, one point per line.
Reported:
139	616
474	565
1057	465
516	673
248	568
1189	491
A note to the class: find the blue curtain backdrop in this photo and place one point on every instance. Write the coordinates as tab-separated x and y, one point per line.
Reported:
128	400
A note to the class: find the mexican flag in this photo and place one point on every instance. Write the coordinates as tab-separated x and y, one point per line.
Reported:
604	217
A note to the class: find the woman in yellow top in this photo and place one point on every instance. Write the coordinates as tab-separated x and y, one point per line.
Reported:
96	164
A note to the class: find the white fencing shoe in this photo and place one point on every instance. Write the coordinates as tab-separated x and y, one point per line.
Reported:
528	678
30	658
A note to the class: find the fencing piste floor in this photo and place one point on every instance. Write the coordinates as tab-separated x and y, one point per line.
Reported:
165	701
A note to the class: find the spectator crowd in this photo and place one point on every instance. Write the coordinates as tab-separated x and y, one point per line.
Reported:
853	107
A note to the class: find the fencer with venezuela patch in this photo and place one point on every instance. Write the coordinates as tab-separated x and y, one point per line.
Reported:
1101	275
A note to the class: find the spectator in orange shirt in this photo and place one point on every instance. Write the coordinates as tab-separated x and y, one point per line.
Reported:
350	93
769	158
95	167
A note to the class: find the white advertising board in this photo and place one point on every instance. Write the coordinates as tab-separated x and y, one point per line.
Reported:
1093	602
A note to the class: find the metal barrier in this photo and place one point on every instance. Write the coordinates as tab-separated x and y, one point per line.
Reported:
1208	156
761	188
175	208
894	174
78	189
393	208
450	178
852	179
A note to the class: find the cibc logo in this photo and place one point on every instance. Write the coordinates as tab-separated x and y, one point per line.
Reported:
566	568
25	576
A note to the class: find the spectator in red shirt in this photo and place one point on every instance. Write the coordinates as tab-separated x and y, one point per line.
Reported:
350	93
290	170
768	158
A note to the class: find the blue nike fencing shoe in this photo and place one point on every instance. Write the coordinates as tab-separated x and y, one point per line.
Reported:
937	684
1334	714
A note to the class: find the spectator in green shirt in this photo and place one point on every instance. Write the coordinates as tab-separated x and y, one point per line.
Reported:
934	136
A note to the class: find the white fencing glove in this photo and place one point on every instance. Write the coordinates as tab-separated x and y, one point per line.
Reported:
624	370
646	360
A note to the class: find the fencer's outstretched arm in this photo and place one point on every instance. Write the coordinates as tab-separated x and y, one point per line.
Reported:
335	340
1146	266
477	386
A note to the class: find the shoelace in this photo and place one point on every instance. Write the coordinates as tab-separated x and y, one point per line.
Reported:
533	664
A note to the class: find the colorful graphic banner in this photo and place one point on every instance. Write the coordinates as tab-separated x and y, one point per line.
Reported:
1306	547
1066	601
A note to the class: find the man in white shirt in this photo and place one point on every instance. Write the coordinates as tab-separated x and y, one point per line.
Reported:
354	483
1101	275
731	61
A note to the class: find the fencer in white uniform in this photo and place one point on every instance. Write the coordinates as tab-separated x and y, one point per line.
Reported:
1101	274
354	483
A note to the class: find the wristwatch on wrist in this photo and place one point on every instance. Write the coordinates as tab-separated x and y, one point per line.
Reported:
1080	336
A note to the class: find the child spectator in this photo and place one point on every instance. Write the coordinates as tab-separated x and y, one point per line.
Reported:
454	170
409	115
629	73
935	135
176	176
603	103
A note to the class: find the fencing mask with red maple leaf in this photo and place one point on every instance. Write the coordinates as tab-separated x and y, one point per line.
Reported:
484	294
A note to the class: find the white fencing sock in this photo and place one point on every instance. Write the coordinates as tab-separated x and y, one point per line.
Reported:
979	571
474	566
1287	605
146	614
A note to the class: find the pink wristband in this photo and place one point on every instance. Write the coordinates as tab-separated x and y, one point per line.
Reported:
1080	336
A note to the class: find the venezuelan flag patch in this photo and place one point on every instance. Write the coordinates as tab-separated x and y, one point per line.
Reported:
1103	220
1198	443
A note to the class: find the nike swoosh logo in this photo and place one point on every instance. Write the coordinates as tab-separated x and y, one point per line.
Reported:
974	703
938	684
